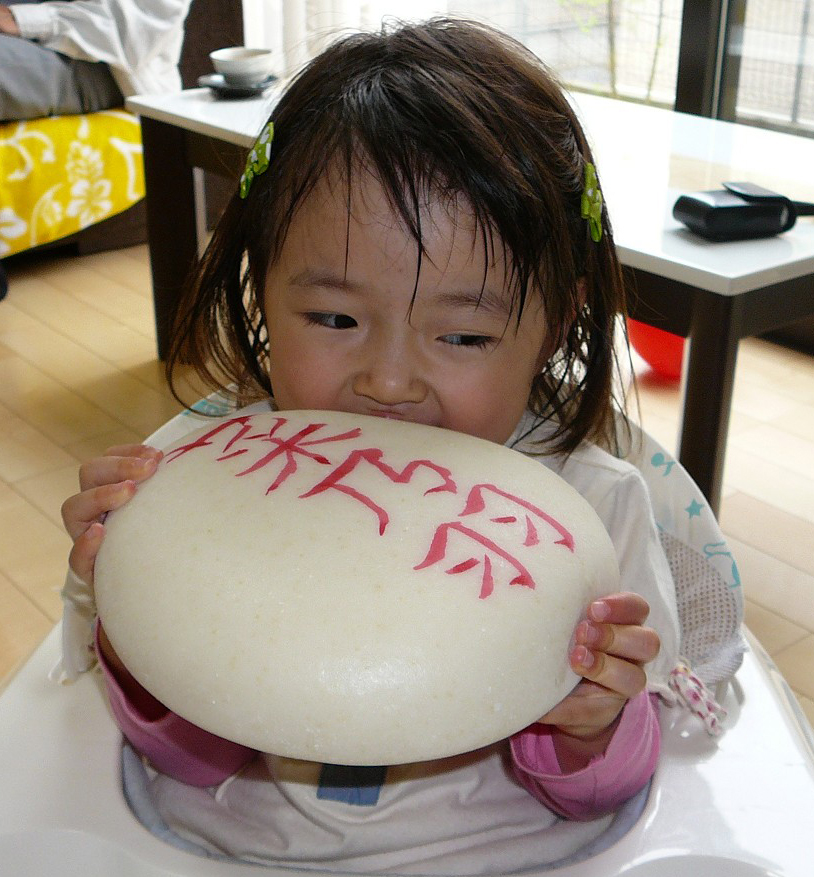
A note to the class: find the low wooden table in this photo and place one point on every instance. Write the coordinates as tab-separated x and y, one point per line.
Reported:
713	294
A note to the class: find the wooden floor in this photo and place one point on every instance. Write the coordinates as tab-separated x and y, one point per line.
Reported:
78	373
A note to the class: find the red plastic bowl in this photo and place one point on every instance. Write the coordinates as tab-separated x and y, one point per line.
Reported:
662	351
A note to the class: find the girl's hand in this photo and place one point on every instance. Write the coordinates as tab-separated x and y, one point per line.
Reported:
611	647
105	483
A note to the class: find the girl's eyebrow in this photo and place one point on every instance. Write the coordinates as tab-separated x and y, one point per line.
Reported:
477	299
323	279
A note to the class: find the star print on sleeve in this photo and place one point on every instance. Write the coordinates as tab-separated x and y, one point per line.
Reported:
694	509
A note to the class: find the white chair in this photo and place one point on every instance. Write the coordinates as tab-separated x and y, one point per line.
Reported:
737	805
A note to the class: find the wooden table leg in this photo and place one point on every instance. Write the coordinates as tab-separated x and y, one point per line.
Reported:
709	381
171	226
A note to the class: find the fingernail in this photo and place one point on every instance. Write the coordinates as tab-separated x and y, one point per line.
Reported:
584	657
590	634
124	490
599	610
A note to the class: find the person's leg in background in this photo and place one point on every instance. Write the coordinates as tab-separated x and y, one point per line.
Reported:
37	82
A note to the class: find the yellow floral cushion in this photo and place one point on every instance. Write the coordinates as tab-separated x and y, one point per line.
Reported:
63	173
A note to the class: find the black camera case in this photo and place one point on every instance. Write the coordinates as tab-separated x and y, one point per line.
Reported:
739	211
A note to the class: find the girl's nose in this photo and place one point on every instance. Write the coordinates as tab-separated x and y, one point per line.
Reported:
390	375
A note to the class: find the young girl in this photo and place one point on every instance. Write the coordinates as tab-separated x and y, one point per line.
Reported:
420	236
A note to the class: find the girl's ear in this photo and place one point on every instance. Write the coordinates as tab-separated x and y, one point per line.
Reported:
579	300
582	292
552	344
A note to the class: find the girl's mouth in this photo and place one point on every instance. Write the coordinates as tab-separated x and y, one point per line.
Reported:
388	414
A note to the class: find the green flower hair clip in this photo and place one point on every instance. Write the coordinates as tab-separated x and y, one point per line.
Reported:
591	208
258	159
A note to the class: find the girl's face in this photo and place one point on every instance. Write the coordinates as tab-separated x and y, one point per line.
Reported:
346	335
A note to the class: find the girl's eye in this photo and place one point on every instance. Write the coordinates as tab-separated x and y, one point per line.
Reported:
331	321
478	341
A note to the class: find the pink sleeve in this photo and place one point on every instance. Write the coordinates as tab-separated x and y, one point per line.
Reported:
608	781
173	745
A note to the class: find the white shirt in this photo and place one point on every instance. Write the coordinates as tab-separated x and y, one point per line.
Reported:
140	40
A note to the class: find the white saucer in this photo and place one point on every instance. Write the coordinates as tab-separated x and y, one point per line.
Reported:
224	89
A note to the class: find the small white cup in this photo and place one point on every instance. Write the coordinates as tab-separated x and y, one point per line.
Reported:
240	66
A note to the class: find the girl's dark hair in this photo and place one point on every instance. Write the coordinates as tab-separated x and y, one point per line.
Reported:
447	109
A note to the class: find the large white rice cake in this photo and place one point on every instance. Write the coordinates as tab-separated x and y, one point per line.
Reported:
350	589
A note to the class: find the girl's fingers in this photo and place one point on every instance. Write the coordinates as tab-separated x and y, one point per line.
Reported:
134	463
615	674
83	554
632	642
611	646
132	451
106	483
83	509
624	608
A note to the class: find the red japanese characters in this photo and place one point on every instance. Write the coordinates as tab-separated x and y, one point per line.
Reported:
293	448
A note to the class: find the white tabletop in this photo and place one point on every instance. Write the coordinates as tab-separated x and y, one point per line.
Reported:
646	157
199	110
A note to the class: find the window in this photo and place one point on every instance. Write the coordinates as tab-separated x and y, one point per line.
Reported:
623	48
769	64
745	60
